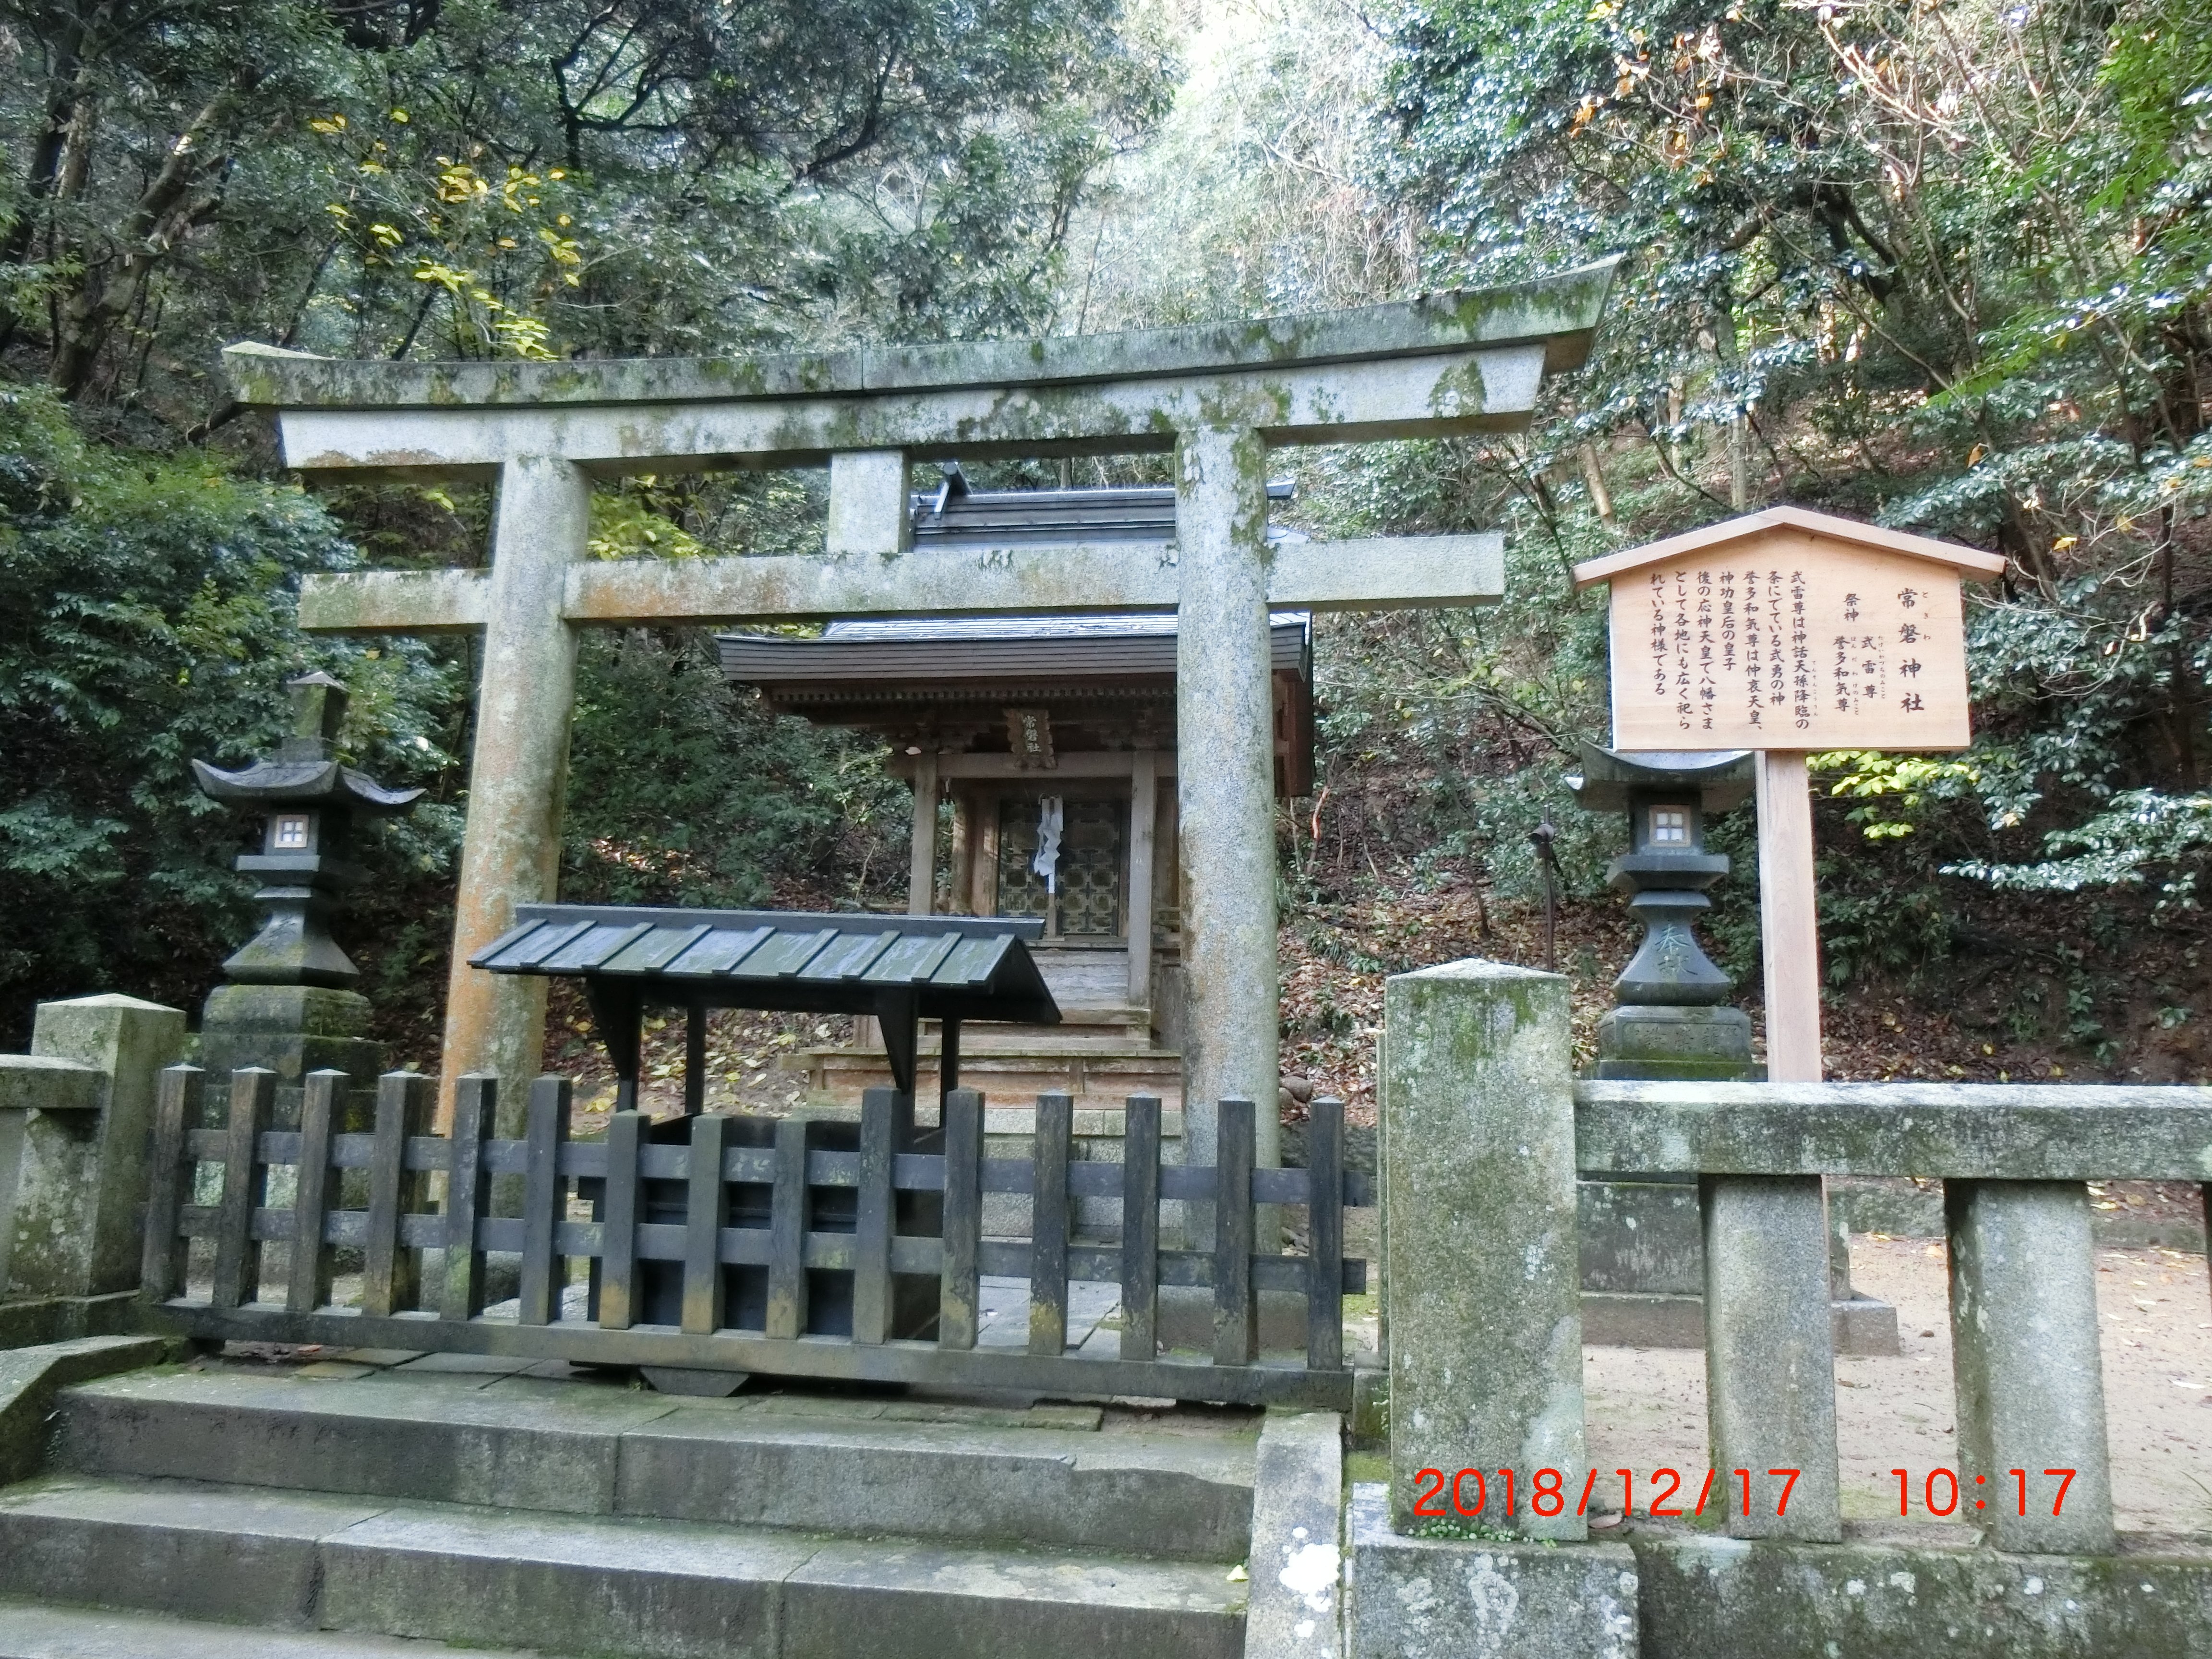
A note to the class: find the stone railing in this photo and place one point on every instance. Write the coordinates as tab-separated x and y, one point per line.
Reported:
2014	1159
1484	1130
75	1116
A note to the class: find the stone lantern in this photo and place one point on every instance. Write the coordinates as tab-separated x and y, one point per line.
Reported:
1643	1245
288	1003
1672	1020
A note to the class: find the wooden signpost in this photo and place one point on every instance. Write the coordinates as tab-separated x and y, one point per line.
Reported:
1788	633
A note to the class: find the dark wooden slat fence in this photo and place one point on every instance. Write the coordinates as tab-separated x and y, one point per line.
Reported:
763	1245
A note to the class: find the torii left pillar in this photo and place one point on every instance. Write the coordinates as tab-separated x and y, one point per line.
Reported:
518	768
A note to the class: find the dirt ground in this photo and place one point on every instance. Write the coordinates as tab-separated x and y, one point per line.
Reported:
1647	1406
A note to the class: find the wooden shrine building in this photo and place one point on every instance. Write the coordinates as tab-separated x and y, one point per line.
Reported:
1013	728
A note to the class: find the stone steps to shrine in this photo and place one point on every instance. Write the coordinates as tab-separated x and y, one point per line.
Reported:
472	1503
588	1584
824	1464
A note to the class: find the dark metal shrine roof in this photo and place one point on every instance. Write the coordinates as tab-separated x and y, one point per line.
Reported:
954	966
954	516
983	650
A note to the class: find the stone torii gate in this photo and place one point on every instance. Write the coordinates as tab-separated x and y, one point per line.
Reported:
1218	395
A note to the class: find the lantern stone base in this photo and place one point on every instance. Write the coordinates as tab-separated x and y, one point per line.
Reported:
1662	1043
1643	1247
290	1029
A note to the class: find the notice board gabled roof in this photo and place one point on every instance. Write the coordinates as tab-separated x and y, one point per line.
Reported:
1966	561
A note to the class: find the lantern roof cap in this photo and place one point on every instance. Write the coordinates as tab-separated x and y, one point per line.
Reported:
1722	779
302	783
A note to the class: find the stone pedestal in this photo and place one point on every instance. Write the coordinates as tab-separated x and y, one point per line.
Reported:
293	1029
1642	1247
75	1114
1663	1044
289	1029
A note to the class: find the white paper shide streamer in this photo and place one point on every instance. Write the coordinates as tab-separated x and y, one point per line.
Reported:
1046	861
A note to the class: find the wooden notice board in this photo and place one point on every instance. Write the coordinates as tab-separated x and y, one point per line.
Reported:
1789	630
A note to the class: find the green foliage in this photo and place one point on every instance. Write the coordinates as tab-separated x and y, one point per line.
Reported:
1899	785
2138	831
475	179
456	179
683	790
1946	265
145	621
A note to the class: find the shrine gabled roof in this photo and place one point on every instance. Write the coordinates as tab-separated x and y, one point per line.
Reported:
956	967
1874	538
952	515
987	648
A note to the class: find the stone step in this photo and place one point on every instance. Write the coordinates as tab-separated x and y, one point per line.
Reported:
593	1585
836	1466
31	1630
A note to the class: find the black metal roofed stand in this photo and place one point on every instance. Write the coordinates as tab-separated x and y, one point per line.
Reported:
900	969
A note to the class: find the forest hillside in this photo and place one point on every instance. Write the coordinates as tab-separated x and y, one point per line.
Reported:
1945	264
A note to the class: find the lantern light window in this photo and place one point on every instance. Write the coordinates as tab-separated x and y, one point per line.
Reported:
289	833
1670	826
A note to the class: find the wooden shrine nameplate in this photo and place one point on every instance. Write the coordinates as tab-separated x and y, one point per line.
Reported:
1789	630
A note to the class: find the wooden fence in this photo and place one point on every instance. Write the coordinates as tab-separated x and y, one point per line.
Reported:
803	1247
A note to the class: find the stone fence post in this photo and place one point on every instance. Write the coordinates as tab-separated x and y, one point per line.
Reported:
75	1116
1483	1293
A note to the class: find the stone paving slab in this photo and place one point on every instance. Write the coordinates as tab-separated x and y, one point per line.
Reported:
848	1595
582	1585
32	1631
486	1367
1003	1310
249	1556
383	1439
600	1585
1178	1496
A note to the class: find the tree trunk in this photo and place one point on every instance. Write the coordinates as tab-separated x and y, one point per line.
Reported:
158	220
1594	480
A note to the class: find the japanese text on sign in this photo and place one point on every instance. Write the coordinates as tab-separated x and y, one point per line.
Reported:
1805	651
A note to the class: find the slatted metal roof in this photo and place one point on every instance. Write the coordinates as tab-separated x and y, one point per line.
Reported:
1115	625
909	650
955	967
954	516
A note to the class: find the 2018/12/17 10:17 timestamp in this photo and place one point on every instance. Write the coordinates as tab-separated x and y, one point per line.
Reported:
1988	1494
1547	1492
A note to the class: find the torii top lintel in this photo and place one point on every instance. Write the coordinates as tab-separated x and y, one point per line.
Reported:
1439	365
